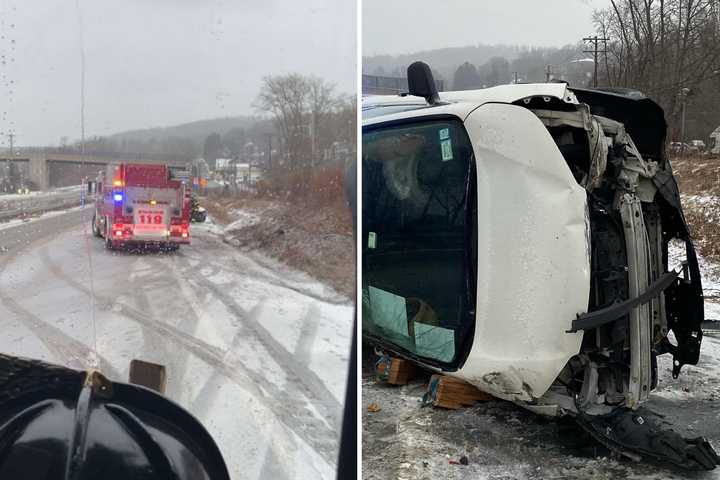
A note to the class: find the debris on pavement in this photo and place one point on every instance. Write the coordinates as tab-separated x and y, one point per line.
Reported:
463	461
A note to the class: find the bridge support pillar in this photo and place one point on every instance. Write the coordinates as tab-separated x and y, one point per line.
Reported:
39	171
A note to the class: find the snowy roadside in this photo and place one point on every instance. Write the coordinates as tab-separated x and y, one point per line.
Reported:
39	216
315	241
13	206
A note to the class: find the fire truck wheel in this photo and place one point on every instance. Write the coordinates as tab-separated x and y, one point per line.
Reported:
95	229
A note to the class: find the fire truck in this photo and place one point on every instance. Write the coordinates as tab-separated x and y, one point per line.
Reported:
140	205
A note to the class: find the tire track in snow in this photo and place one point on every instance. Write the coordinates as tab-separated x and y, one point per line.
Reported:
313	386
263	272
276	462
62	346
288	408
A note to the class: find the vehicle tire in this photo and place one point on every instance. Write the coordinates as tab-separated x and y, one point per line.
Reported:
95	229
108	236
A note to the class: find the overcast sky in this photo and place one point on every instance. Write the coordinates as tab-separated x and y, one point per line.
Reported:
159	62
408	26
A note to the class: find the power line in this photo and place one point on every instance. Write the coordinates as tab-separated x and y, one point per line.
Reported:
594	40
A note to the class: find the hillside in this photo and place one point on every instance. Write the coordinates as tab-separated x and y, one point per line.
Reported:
494	64
195	132
443	60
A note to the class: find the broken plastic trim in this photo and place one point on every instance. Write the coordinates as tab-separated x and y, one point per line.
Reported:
588	321
641	433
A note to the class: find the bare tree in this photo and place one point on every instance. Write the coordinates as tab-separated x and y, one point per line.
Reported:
660	46
285	97
301	107
321	103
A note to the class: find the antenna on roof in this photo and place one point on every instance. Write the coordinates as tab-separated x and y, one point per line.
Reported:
421	82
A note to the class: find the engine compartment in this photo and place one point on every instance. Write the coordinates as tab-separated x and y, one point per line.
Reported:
634	212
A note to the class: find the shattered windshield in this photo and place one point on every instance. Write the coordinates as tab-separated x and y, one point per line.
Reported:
417	237
172	197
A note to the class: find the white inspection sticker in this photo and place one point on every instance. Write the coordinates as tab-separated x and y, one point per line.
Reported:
444	133
446	150
372	240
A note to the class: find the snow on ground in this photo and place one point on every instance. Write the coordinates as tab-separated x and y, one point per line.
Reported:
503	441
19	221
243	219
709	273
291	278
258	353
7	197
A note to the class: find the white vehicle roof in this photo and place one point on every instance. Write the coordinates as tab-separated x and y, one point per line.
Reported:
460	103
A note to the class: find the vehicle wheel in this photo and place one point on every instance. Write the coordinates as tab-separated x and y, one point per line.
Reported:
108	237
95	229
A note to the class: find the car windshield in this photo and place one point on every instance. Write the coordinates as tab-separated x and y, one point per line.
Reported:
159	203
418	197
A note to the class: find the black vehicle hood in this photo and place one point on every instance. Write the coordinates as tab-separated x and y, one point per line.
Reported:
644	119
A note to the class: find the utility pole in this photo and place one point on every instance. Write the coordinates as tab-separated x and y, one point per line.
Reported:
11	137
516	77
312	139
82	85
269	161
594	41
548	72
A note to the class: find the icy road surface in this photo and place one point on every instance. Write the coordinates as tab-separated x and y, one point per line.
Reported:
256	351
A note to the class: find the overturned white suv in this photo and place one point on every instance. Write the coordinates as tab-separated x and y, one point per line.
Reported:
517	237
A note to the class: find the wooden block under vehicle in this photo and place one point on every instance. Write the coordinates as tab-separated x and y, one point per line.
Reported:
395	371
450	392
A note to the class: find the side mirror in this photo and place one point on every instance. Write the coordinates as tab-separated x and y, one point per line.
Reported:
421	82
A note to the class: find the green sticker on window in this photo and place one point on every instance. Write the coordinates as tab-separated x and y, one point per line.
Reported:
444	133
372	240
446	150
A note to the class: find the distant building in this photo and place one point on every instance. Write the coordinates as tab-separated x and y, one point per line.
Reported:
715	142
578	73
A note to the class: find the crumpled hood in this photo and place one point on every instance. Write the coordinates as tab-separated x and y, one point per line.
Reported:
644	119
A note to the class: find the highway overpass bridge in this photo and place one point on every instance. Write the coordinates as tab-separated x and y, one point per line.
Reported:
52	170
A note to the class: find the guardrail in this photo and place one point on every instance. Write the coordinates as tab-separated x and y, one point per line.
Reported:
29	206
